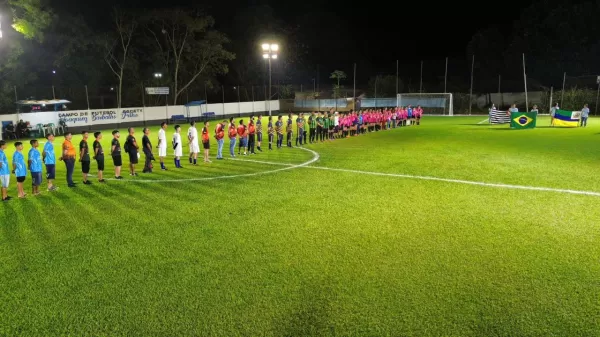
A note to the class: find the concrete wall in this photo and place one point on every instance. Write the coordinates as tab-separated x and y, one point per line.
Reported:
106	118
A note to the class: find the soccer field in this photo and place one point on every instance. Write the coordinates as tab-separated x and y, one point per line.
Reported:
450	228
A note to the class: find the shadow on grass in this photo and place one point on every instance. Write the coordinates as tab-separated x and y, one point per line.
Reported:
310	317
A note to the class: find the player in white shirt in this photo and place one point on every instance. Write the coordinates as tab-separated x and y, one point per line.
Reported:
177	146
194	144
162	145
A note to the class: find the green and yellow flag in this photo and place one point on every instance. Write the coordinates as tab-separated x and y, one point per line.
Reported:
568	119
523	120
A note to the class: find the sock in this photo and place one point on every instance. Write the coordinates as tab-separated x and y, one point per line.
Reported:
175	160
191	160
162	165
195	161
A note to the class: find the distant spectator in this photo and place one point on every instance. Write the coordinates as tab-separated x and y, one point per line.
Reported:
553	112
585	113
535	109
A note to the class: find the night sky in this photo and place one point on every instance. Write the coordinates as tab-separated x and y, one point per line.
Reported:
373	34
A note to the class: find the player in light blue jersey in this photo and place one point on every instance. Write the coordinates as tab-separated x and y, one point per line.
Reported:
50	161
34	160
19	169
4	172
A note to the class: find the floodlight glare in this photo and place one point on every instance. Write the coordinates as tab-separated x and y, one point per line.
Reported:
274	47
265	47
265	56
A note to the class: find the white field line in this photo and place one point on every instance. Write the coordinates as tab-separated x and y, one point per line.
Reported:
484	121
288	167
446	180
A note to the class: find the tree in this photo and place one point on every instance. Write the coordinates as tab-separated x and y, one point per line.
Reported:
337	75
31	18
118	48
187	46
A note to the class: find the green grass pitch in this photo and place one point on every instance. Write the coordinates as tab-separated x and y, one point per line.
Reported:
356	238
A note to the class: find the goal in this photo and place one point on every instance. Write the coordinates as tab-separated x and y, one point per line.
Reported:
432	104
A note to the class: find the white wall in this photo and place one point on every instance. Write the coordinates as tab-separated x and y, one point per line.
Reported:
82	118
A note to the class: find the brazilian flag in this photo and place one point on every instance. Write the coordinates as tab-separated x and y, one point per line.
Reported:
523	120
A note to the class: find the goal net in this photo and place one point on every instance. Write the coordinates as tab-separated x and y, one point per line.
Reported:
432	104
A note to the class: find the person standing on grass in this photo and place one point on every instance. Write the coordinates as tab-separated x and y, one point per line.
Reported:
99	155
68	156
534	109
177	146
289	130
19	169
194	145
585	113
49	159
553	113
206	142
271	132
147	148
131	147
220	135
34	160
162	145
115	153
232	132
251	135
300	129
279	129
259	133
242	131
311	127
4	172
84	157
319	122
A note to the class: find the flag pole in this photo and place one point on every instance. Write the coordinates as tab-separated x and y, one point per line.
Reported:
562	94
525	82
471	91
397	73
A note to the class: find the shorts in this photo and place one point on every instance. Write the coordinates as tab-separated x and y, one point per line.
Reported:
243	142
133	157
5	181
162	151
194	148
259	137
85	167
36	178
21	179
206	145
117	161
50	171
100	164
332	128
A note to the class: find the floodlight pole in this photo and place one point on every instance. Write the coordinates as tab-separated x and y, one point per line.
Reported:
269	85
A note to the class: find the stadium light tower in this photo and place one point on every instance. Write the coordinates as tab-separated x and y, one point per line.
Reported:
157	75
270	53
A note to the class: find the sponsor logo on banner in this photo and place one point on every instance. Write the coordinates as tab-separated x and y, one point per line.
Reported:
104	115
74	117
576	115
130	113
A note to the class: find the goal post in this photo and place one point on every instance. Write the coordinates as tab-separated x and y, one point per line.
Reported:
432	103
